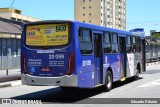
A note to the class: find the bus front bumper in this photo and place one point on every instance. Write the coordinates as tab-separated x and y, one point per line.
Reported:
70	81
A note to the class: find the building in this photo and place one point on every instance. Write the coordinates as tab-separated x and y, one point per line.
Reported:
15	14
109	13
10	43
11	21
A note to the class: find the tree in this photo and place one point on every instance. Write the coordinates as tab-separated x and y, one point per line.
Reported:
156	35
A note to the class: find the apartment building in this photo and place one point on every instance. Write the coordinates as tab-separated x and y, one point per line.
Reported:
108	13
15	14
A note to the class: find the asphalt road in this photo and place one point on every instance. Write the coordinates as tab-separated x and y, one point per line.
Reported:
147	86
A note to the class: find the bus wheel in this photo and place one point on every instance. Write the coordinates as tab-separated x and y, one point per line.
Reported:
136	77
108	81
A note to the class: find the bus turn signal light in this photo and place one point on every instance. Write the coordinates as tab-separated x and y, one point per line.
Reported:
23	64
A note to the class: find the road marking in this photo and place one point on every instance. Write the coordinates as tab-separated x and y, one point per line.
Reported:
154	83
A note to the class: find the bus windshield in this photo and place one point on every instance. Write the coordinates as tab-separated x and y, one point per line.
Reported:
47	35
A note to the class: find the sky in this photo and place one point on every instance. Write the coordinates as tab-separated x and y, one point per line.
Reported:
140	13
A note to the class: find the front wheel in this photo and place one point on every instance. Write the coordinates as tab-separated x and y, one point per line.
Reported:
108	81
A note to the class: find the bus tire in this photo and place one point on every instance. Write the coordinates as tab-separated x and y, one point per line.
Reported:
108	81
136	77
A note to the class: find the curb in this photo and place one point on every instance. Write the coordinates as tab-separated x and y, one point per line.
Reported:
5	85
154	63
10	84
9	78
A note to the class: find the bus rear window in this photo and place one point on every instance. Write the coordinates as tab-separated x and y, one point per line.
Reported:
47	35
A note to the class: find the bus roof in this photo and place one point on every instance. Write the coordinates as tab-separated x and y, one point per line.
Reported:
101	28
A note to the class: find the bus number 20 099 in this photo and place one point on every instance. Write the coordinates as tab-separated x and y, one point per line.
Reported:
56	56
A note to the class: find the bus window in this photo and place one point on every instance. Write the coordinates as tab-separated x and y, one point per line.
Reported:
122	44
128	40
107	43
134	46
115	38
129	44
114	48
138	42
133	40
115	43
85	41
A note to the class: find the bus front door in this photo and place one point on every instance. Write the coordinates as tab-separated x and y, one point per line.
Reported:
98	73
143	44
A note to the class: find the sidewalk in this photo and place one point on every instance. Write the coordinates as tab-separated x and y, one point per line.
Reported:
11	72
9	78
153	63
10	84
12	78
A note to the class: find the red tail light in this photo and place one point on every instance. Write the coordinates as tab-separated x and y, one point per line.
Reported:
23	64
71	64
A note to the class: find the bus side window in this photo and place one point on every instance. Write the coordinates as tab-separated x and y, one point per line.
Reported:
129	44
138	42
115	43
107	43
85	41
134	44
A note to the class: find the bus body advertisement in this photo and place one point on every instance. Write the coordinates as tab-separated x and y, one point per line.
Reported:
75	54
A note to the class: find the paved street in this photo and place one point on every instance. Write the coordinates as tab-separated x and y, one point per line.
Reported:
146	87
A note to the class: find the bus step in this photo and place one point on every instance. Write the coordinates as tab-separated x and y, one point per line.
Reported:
123	79
99	85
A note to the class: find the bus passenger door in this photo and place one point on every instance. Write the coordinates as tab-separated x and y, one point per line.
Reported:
123	61
98	61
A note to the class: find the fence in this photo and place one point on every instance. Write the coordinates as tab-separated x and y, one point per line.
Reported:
10	46
10	51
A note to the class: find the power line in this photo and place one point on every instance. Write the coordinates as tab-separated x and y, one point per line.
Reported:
12	3
145	22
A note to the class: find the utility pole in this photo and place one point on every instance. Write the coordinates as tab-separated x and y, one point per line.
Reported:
12	4
7	72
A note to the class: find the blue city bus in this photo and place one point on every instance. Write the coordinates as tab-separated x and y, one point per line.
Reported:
76	54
